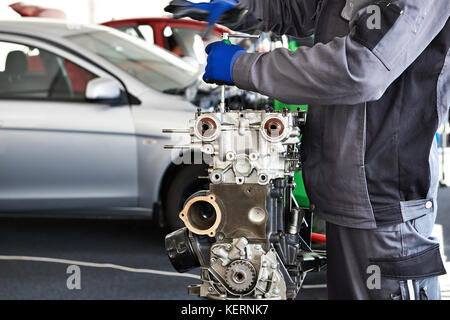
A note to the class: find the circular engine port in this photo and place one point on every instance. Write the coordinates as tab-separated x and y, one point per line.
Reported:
207	127
263	179
274	127
201	215
216	177
257	215
242	166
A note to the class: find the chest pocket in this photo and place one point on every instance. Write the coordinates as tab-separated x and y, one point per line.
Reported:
385	30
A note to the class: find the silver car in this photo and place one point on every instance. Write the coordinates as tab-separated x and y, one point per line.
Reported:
82	110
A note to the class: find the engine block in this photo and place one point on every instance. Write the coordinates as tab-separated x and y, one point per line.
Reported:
244	232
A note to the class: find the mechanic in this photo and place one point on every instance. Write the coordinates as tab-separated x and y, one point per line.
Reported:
378	85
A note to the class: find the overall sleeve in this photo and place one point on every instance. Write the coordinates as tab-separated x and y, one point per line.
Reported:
352	69
291	17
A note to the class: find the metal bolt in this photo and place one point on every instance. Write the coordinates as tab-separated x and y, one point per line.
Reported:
274	265
213	260
210	289
276	291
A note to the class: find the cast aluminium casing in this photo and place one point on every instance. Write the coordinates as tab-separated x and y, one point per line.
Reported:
246	147
247	151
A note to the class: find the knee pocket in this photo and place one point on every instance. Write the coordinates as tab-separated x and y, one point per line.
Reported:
415	274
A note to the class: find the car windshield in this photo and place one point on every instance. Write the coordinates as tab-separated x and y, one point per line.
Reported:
151	65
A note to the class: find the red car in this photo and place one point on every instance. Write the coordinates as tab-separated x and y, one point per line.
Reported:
180	36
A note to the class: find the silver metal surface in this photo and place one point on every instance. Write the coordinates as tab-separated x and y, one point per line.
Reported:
103	89
240	270
243	151
249	150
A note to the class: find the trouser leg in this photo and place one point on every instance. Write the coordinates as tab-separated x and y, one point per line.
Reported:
391	262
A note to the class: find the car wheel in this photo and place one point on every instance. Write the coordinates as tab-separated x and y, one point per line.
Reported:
182	185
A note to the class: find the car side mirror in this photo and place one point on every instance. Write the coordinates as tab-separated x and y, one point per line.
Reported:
103	89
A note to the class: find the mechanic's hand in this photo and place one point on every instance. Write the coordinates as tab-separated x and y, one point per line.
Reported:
222	11
221	59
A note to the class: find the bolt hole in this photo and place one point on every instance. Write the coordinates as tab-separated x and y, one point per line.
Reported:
239	277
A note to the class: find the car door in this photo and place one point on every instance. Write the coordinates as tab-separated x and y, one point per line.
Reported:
57	150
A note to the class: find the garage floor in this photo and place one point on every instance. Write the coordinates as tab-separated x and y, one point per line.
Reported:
136	244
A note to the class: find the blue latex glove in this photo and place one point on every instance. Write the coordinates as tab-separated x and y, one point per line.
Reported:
220	63
205	11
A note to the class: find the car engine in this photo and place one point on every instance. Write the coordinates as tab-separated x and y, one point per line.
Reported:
246	233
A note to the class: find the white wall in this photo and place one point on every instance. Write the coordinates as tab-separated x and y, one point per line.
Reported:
5	12
96	11
105	10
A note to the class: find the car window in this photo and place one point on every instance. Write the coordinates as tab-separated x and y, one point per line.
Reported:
32	73
130	30
148	63
142	31
147	32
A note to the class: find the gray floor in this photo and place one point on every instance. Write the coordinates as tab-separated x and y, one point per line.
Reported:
135	244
